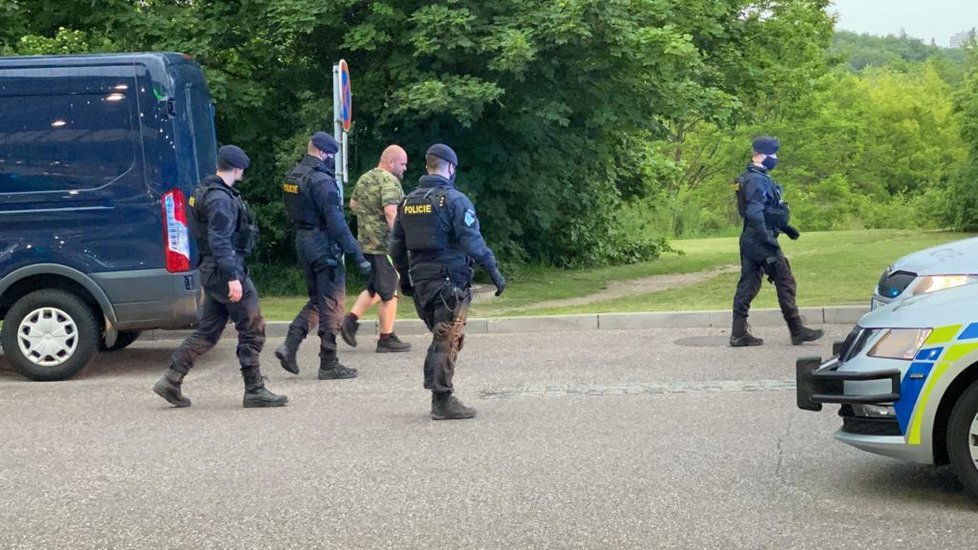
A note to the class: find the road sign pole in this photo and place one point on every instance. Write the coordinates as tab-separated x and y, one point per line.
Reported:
346	114
345	149
339	163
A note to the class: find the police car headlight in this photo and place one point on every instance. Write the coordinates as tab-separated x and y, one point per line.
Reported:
933	283
900	343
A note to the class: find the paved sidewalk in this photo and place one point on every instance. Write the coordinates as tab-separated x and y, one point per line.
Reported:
845	315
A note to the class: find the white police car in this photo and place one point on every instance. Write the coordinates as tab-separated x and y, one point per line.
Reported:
907	382
938	268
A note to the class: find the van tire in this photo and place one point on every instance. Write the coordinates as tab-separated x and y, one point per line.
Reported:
963	423
75	339
122	340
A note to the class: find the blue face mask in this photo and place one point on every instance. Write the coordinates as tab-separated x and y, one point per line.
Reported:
769	162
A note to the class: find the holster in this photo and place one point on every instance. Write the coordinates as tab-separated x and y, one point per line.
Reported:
774	270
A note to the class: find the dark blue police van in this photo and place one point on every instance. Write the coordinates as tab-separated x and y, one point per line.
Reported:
98	154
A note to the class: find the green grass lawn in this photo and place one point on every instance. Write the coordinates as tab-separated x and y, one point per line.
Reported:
832	268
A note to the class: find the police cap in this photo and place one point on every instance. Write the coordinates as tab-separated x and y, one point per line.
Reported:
325	143
444	152
766	145
233	156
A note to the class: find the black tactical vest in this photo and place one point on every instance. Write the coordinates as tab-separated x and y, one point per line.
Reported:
245	236
776	211
420	215
297	209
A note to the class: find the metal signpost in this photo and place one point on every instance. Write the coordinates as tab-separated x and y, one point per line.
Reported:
342	118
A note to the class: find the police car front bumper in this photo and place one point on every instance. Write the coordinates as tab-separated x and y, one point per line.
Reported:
821	382
893	446
818	383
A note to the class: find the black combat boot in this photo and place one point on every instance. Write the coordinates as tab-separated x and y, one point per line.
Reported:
331	369
801	334
740	335
348	329
392	344
256	394
286	358
448	407
168	387
286	352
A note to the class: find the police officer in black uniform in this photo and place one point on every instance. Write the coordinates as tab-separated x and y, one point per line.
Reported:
766	215
225	232
312	203
436	241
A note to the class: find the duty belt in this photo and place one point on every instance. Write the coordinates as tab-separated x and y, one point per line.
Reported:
303	225
428	271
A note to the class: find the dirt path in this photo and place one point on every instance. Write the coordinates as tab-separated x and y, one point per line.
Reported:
645	285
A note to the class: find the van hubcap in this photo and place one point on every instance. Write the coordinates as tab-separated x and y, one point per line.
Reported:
47	337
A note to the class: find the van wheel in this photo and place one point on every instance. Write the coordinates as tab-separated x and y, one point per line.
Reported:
962	438
49	335
122	340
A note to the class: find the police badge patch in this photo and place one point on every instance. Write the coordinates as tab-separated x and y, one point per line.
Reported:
469	217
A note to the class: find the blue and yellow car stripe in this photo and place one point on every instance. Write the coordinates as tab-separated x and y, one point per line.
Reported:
944	346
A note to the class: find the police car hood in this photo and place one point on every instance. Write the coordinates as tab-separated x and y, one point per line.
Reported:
941	308
954	258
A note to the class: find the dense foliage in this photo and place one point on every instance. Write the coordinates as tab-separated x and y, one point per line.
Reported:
870	144
588	130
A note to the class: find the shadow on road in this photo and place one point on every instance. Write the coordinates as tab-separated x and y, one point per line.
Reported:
152	357
909	483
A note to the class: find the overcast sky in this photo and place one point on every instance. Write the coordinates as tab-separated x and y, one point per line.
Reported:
925	19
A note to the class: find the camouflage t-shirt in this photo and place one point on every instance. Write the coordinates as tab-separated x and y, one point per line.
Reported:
373	191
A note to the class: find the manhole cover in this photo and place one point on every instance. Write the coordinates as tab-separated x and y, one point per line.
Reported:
704	341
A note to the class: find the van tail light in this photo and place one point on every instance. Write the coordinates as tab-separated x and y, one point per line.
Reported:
176	236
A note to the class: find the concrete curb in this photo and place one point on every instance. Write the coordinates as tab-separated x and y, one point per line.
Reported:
837	315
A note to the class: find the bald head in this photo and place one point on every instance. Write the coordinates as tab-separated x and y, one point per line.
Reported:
394	159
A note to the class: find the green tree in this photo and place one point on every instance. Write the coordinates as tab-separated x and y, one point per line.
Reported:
554	106
963	208
871	149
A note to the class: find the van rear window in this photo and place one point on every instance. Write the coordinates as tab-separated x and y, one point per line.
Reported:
65	142
202	122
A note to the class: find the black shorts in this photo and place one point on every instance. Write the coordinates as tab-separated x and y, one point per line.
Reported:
383	280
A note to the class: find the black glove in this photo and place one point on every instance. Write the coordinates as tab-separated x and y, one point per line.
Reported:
791	232
365	268
406	288
499	281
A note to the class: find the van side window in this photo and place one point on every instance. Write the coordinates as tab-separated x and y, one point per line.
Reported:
65	142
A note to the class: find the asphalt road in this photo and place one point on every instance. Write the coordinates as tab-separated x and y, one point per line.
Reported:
596	439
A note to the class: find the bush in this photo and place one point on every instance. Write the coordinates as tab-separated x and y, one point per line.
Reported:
823	206
279	279
962	200
924	210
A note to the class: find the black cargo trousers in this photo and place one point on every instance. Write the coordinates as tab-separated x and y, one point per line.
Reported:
756	261
213	317
326	287
444	308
